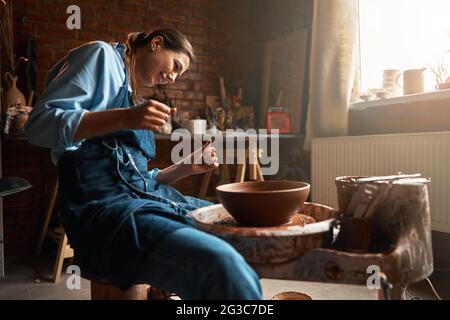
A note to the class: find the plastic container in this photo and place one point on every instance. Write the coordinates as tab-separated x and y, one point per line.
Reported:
279	118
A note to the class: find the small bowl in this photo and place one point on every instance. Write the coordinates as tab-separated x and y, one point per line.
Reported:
291	295
366	97
263	203
383	95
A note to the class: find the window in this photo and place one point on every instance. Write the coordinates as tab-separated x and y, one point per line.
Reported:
402	34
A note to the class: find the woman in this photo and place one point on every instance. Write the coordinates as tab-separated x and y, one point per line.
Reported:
126	224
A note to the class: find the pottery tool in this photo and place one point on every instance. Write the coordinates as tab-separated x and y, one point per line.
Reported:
388	178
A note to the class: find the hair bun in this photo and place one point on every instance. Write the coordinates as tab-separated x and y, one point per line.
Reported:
135	40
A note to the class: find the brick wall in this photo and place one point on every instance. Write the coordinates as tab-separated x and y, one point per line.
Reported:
217	29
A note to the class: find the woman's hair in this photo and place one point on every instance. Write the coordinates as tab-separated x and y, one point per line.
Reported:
172	40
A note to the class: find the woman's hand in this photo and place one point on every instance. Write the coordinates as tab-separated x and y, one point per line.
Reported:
203	159
148	115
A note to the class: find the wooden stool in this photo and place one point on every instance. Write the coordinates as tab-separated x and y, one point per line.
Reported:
104	291
58	235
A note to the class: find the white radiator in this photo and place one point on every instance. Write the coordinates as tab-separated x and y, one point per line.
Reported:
425	153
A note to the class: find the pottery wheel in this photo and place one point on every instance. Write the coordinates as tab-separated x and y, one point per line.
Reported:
297	220
306	230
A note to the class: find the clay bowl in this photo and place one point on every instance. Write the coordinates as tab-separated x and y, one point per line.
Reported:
263	203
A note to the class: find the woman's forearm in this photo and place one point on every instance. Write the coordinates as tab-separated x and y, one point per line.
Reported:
173	173
101	122
183	169
150	115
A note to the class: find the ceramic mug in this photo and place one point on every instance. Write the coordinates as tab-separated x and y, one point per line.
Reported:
390	81
413	81
196	126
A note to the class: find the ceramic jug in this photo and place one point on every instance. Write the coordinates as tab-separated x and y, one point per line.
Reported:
12	95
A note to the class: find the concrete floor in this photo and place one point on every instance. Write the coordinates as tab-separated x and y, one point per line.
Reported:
30	278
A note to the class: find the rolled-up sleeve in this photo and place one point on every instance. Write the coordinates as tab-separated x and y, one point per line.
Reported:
69	94
153	173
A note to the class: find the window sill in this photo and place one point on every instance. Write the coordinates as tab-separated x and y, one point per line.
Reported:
412	98
426	112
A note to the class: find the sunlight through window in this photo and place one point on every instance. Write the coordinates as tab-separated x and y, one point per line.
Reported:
402	34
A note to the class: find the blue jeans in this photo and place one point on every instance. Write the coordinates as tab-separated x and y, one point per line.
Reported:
197	265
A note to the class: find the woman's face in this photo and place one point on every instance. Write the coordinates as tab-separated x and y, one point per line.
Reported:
157	65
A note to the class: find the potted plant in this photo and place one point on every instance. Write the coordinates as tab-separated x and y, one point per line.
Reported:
441	75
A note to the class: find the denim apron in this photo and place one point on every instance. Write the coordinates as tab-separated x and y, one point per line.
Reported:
112	210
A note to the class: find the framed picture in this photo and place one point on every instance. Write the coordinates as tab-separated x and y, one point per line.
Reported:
284	76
